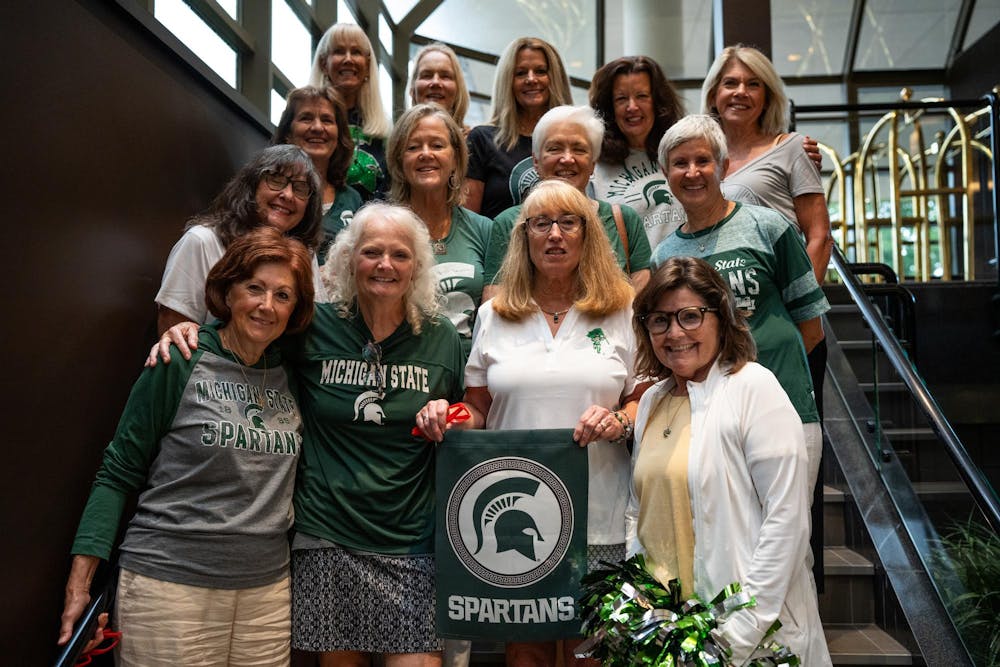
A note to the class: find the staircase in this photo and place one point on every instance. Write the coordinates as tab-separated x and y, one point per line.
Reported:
864	619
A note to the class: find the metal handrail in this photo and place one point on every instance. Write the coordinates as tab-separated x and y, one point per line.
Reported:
982	492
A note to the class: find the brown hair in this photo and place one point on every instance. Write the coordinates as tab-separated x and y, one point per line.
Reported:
234	211
667	105
262	246
736	344
343	154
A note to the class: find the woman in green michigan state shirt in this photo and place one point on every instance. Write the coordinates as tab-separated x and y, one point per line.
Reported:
210	444
427	160
362	555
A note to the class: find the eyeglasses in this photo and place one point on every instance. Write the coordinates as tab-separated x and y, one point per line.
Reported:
372	354
658	322
278	182
542	224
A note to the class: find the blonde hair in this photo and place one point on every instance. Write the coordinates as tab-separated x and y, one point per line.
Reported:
400	188
504	113
774	118
421	301
462	100
374	121
601	286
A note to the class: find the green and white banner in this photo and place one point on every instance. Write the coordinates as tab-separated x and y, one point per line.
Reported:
511	540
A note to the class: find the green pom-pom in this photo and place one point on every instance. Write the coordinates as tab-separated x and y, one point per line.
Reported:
630	618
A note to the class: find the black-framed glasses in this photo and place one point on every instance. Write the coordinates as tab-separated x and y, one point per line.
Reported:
278	182
372	355
658	322
542	224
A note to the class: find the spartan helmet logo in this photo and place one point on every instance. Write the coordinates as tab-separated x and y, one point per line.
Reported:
515	530
252	414
509	521
367	409
660	195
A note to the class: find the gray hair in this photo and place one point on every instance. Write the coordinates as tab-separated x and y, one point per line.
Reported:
421	301
689	128
584	116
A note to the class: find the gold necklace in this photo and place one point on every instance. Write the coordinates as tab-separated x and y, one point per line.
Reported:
228	345
670	423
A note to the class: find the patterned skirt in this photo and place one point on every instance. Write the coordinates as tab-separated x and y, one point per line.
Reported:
609	553
343	601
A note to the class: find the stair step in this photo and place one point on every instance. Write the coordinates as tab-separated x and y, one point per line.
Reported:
843	309
832	494
941	490
855	344
842	561
864	645
849	591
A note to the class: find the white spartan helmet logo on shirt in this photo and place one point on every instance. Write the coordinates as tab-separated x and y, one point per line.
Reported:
367	408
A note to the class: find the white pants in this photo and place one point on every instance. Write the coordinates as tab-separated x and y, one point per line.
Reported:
165	624
814	451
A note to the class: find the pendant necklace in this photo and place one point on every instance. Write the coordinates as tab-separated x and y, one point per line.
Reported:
438	245
670	423
703	239
241	365
555	316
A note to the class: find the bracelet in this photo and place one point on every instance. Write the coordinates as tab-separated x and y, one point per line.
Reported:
627	428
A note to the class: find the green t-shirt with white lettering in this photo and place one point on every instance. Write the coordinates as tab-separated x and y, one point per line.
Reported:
763	258
364	483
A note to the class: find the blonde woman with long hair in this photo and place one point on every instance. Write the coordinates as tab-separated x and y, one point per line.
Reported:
345	61
530	80
555	349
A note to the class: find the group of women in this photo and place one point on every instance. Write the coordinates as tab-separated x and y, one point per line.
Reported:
552	304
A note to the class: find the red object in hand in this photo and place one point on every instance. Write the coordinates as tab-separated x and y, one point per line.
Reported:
457	412
111	636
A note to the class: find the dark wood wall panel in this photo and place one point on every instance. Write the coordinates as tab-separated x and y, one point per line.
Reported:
112	142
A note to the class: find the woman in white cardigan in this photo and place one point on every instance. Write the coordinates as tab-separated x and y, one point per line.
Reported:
719	482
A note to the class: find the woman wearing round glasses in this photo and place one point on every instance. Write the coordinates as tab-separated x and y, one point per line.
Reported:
565	146
555	349
278	188
758	252
720	489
